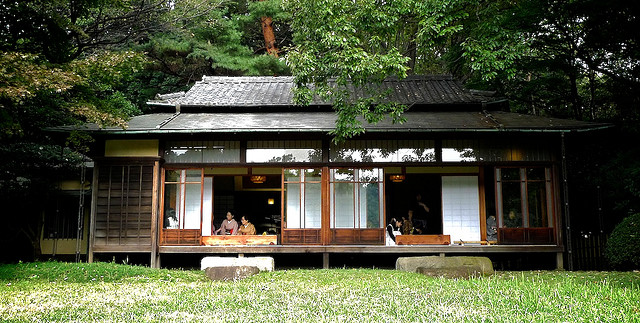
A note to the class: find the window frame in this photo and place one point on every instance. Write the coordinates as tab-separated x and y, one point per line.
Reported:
523	182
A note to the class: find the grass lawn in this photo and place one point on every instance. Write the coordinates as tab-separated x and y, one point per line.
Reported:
55	291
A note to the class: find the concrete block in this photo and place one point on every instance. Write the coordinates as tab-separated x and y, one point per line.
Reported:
263	263
452	267
231	272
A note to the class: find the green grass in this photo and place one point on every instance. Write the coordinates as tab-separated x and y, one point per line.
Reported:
54	291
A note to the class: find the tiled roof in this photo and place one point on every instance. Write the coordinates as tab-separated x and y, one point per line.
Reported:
226	91
458	121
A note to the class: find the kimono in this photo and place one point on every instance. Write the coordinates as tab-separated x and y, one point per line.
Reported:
228	227
248	229
391	235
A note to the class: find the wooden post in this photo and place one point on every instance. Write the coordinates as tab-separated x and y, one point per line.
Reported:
325	260
92	217
155	257
325	219
483	206
559	261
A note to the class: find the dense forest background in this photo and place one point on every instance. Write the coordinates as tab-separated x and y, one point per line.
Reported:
68	62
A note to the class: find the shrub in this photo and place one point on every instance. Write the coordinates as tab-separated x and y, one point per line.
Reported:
623	247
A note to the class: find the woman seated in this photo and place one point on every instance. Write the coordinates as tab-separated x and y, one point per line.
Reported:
246	227
393	230
228	227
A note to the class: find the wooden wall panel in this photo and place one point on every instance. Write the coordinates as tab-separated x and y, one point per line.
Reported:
180	237
124	205
301	236
526	236
357	236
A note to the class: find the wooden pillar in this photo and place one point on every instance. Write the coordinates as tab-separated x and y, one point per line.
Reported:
483	206
92	216
155	257
559	261
325	220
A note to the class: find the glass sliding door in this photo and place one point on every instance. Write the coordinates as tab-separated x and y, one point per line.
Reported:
302	195
356	205
524	205
187	206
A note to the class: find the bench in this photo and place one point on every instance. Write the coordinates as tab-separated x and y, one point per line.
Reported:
230	240
437	239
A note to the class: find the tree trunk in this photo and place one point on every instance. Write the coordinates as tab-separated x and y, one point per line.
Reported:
269	37
575	99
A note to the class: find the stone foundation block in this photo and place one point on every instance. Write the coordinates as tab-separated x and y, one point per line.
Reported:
451	267
231	272
263	263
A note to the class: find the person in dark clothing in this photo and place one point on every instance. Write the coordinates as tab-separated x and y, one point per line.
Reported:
420	215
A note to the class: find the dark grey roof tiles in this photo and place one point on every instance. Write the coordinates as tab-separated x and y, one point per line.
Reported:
226	91
458	121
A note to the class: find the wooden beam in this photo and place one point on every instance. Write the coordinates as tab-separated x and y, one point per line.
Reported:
375	249
122	248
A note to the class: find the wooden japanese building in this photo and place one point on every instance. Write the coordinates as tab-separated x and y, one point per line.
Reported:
240	144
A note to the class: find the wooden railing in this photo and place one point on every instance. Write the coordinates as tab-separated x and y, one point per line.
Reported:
230	240
428	239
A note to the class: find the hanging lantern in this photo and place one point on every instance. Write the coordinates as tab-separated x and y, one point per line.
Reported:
258	179
397	178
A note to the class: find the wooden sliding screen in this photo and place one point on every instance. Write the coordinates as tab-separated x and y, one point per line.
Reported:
124	208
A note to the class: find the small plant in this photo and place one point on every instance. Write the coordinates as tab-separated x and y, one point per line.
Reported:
623	247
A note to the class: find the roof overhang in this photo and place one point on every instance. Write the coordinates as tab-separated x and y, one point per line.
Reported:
324	122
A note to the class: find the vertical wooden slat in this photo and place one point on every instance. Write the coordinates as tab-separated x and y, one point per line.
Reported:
122	200
108	224
139	227
125	213
94	210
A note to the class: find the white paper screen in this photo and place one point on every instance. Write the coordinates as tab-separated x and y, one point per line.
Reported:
461	208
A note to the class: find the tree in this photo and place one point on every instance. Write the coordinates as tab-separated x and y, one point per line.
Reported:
227	39
339	44
62	31
60	64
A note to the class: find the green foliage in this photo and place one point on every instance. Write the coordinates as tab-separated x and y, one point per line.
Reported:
226	39
35	93
622	247
62	31
339	44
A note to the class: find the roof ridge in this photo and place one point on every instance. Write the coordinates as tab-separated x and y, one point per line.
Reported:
248	79
289	78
